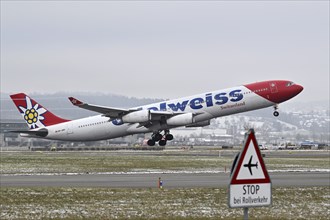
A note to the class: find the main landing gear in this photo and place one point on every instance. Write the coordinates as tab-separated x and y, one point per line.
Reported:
276	113
161	139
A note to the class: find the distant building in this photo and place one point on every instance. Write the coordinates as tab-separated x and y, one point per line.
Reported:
7	138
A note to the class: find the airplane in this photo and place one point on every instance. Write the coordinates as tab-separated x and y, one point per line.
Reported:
250	165
157	118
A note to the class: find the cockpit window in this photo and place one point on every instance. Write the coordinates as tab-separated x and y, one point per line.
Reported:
289	84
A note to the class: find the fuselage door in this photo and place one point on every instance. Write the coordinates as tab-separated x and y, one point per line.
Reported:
70	128
273	87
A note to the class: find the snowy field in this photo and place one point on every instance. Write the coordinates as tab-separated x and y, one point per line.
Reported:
187	203
179	203
57	163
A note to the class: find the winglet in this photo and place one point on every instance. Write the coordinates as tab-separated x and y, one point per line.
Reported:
75	101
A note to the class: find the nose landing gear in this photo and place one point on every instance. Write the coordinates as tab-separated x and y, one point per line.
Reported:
276	113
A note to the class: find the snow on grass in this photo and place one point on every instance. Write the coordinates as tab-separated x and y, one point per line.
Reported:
81	163
196	203
84	163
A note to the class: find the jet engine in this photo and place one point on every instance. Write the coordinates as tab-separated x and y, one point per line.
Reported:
199	124
181	120
137	117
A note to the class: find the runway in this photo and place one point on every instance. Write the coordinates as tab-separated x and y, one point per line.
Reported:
150	180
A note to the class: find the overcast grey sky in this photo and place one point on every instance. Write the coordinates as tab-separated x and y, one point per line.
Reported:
163	49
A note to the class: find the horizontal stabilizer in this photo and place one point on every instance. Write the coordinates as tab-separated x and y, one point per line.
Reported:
43	132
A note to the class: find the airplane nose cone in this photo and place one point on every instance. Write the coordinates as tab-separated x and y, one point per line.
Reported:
299	88
286	92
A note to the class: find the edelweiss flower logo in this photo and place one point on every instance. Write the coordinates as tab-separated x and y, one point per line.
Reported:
33	114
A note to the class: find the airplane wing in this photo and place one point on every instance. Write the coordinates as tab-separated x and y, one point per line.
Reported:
109	112
250	169
118	112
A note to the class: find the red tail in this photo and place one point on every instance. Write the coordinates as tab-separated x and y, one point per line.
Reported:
33	113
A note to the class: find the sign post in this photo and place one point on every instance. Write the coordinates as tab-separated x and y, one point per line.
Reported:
246	213
250	185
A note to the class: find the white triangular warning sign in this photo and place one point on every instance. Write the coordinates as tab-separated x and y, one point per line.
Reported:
250	184
250	167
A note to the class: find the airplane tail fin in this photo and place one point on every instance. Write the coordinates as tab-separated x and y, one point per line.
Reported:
35	115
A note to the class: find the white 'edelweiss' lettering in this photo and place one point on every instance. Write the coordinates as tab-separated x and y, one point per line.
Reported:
197	103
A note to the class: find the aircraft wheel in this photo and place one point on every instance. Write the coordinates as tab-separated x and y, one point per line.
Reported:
276	114
162	142
151	142
157	137
169	137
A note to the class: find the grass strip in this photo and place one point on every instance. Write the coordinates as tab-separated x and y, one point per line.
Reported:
75	162
184	203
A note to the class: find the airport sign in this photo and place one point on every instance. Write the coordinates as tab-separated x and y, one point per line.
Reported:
250	185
